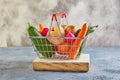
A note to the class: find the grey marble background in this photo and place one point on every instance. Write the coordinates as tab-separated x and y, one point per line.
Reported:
15	14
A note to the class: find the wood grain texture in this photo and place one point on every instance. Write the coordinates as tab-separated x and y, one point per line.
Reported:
81	64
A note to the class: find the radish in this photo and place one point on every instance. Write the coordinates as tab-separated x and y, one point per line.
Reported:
70	38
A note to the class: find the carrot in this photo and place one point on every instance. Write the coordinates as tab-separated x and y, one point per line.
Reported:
40	27
73	51
62	48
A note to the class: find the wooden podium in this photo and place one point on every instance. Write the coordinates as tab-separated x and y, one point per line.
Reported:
80	64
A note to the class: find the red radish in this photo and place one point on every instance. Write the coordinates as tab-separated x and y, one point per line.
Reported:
44	31
69	32
70	38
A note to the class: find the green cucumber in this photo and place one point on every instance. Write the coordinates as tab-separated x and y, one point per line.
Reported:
42	45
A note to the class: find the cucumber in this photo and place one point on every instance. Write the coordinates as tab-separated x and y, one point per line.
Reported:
42	45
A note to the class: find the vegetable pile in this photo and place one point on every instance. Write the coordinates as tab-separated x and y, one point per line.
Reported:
63	40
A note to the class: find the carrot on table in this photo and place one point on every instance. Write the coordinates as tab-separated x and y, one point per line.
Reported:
73	51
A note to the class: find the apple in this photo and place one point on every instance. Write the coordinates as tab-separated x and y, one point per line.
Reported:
55	34
44	31
55	41
54	31
70	38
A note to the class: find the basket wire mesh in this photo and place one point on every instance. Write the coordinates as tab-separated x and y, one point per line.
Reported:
47	50
51	51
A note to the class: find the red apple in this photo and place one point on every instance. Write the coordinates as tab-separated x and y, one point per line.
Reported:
44	31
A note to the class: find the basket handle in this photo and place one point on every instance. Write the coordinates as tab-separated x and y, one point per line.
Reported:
62	14
54	18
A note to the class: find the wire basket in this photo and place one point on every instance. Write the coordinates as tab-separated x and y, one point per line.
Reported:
57	47
56	51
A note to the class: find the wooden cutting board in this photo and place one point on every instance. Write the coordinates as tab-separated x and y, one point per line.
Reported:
80	64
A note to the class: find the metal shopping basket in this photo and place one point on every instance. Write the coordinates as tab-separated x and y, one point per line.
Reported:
59	47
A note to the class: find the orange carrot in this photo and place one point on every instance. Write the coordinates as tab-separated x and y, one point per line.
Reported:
40	27
73	51
63	48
